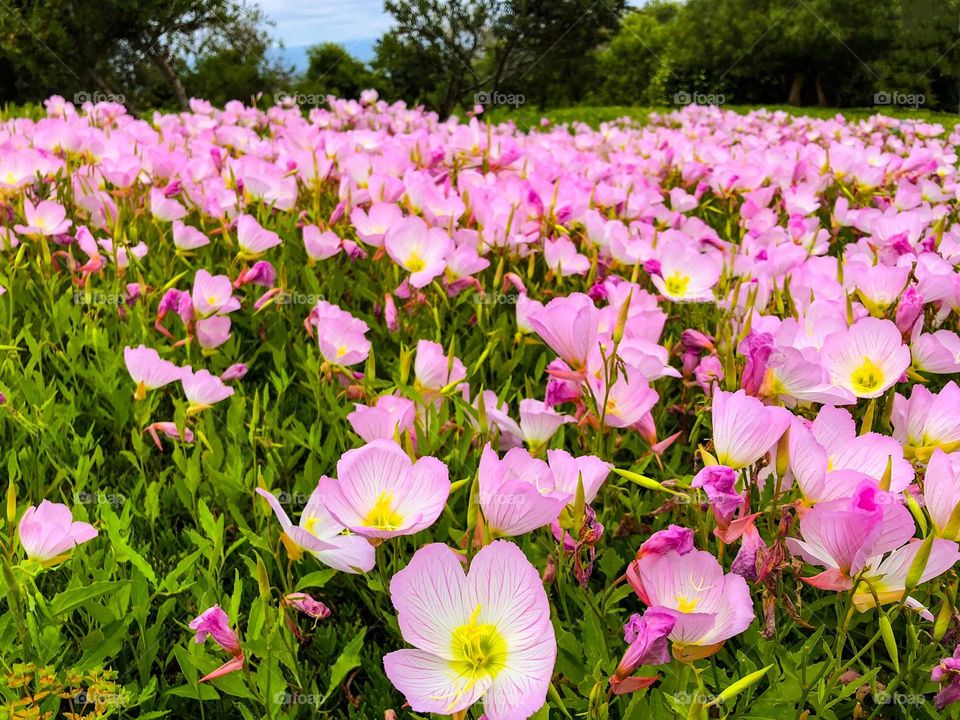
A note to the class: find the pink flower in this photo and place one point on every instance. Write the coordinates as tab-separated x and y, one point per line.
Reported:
305	603
708	606
380	493
830	459
389	416
203	389
213	332
744	429
341	346
568	470
941	493
213	294
187	237
538	423
927	421
237	371
843	535
48	531
321	535
320	245
148	370
674	539
518	493
686	274
420	250
569	325
164	208
888	575
628	400
340	336
252	238
46	218
867	358
434	369
485	634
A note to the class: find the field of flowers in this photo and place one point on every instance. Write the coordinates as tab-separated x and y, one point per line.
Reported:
366	414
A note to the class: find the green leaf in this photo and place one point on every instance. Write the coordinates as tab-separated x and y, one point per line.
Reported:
348	660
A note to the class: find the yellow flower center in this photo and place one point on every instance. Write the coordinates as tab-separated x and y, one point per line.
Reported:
479	650
309	524
676	284
341	351
382	515
866	378
686	605
415	263
212	300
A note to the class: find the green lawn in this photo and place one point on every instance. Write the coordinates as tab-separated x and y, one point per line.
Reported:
528	116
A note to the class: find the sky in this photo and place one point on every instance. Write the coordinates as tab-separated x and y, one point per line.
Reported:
355	24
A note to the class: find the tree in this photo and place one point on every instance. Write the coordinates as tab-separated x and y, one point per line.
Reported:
139	50
331	70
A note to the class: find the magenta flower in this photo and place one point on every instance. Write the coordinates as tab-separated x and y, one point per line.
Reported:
203	389
48	531
947	671
646	637
744	429
379	493
719	482
483	634
517	493
252	238
213	622
148	370
569	325
305	603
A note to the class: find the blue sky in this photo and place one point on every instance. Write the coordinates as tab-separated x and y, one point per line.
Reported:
355	24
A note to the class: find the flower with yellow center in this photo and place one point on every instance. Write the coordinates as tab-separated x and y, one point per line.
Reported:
479	635
380	493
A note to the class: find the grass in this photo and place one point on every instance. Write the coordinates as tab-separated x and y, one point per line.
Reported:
593	115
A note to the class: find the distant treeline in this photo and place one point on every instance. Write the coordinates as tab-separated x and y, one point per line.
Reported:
455	54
